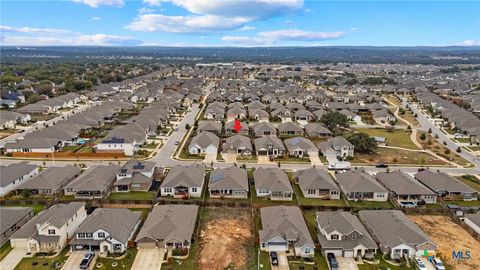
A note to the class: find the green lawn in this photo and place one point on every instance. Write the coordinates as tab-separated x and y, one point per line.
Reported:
464	203
132	195
125	263
319	260
36	207
397	137
265	261
382	265
470	181
371	205
42	263
315	202
4	250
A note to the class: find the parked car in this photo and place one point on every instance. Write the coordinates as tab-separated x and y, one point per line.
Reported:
420	264
177	142
274	257
332	261
437	263
87	259
381	165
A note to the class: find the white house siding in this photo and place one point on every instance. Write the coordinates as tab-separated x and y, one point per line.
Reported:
305	251
128	149
399	250
12	186
380	197
472	225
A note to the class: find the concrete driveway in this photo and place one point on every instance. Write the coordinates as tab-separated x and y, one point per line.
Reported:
282	262
346	263
229	157
74	260
210	158
264	160
148	259
13	258
314	158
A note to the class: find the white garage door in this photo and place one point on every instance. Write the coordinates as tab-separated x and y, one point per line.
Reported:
211	150
147	245
19	243
348	253
272	246
336	252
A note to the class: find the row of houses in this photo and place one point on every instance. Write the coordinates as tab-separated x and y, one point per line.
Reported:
93	183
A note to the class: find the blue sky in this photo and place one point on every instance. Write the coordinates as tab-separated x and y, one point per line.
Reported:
240	23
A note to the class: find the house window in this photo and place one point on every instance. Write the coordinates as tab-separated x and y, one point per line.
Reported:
194	189
51	232
311	191
354	236
89	235
168	190
334	237
101	235
80	235
307	250
263	245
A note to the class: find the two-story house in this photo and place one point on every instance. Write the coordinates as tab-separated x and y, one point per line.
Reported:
135	175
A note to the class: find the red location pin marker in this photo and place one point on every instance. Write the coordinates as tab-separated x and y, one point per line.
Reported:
237	125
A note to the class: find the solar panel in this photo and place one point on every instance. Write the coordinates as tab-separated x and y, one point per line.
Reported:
217	177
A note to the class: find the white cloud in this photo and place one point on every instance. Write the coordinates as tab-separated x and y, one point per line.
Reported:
93	40
213	15
98	3
145	10
94	19
273	37
469	42
185	24
30	30
247	28
300	35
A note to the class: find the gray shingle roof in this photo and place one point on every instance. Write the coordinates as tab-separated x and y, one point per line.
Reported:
118	222
358	181
167	222
13	171
52	178
233	178
272	179
392	228
315	178
190	176
284	222
97	177
402	184
441	181
11	215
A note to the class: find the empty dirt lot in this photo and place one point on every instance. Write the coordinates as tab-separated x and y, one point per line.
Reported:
449	236
226	240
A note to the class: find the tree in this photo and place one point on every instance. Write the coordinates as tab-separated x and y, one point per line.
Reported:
423	136
459	150
362	141
429	131
335	121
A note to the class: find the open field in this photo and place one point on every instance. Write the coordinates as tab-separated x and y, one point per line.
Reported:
396	137
397	156
449	236
226	240
437	147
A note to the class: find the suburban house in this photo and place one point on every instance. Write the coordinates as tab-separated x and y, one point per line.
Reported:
357	185
231	182
284	229
48	231
214	127
290	129
404	188
236	113
269	146
184	182
95	183
51	181
317	183
204	143
9	119
473	221
14	175
316	130
304	115
12	219
124	139
264	129
259	115
446	186
336	147
383	116
238	144
168	226
214	112
396	234
300	147
342	234
135	175
100	231
230	128
272	183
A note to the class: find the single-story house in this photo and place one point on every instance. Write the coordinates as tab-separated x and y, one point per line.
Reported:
231	182
316	130
239	144
272	183
12	219
317	183
204	143
358	185
446	186
300	147
290	129
404	188
269	146
283	229
95	183
14	175
51	181
183	182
